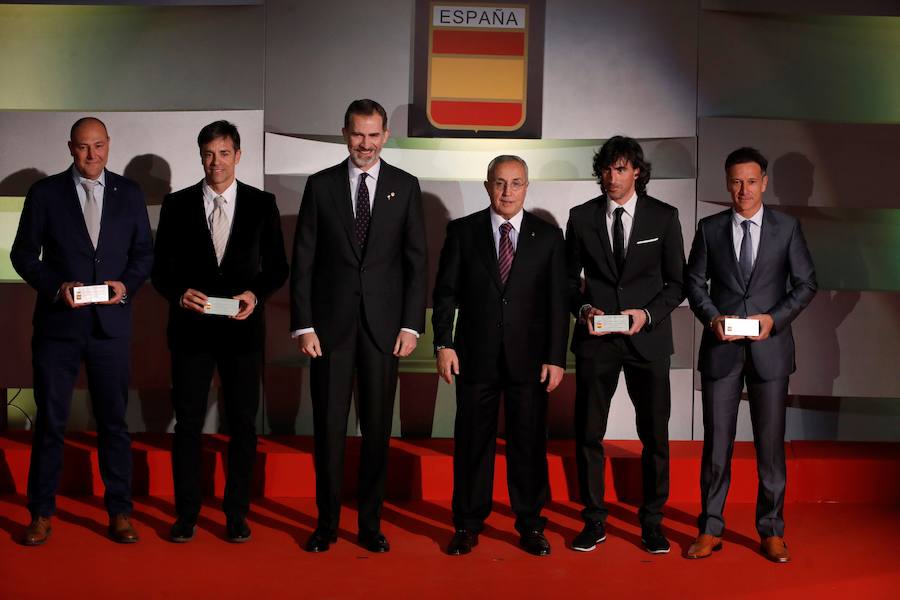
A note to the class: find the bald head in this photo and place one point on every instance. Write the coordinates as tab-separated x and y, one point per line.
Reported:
87	121
89	146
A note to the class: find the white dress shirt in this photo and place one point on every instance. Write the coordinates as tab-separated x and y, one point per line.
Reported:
497	221
737	233
209	203
98	191
627	219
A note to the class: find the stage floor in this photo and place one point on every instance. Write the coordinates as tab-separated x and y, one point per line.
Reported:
839	551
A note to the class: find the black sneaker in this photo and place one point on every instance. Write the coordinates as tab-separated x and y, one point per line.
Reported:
590	536
654	541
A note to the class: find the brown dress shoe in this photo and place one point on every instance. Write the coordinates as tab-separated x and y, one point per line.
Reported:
121	530
38	531
704	546
775	549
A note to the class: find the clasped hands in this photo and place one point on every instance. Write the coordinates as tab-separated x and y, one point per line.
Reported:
65	290
638	320
765	328
195	301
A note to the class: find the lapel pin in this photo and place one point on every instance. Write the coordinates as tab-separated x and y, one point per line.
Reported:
391	195
532	234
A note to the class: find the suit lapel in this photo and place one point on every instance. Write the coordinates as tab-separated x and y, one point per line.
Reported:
640	229
768	238
344	205
73	205
603	234
196	213
524	246
484	234
727	241
384	185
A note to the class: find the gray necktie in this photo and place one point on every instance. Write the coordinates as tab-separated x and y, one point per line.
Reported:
91	211
219	227
745	260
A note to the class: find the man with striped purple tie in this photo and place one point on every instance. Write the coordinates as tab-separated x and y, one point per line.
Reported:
503	270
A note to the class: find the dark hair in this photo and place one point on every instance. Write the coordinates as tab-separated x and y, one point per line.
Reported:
365	107
618	147
219	129
82	121
746	155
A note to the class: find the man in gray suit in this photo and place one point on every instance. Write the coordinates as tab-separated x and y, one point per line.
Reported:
757	266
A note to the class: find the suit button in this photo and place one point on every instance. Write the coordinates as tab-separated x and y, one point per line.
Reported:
96	260
621	289
505	301
499	324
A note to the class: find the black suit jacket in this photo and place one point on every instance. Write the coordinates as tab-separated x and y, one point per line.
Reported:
52	246
332	279
526	320
651	278
254	260
783	282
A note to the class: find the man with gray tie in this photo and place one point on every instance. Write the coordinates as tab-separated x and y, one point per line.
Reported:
217	239
84	226
749	262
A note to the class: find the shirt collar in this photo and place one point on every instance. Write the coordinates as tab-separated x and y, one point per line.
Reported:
373	171
611	206
755	219
515	221
229	194
78	177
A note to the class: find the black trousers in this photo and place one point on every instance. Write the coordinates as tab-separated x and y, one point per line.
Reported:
721	399
475	441
56	363
331	386
596	379
192	373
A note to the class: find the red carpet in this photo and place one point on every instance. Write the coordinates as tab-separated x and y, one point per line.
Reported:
422	469
840	551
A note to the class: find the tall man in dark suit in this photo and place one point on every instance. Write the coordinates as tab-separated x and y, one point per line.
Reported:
757	266
503	269
629	248
358	282
218	238
84	226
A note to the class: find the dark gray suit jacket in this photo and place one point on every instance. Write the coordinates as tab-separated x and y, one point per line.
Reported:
782	283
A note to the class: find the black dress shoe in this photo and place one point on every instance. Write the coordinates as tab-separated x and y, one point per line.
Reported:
654	541
590	536
462	543
320	541
182	531
374	542
534	542
237	531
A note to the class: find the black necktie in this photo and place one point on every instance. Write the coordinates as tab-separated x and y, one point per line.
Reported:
363	214
745	260
619	239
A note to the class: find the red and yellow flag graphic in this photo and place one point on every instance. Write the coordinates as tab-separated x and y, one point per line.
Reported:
477	66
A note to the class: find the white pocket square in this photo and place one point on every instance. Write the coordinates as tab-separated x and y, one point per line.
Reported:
656	239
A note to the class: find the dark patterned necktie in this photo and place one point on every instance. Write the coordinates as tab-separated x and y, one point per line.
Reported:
505	253
363	214
619	239
745	260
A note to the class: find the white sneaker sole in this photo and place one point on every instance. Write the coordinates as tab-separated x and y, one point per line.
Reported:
600	541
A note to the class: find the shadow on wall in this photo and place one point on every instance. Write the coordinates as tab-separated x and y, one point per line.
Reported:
672	160
18	183
818	347
153	174
150	361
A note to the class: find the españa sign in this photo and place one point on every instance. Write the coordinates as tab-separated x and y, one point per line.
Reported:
478	69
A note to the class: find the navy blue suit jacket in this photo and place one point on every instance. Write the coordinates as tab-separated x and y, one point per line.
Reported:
782	283
52	246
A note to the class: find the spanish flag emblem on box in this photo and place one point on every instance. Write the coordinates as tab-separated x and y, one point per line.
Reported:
477	66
